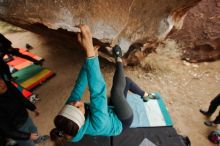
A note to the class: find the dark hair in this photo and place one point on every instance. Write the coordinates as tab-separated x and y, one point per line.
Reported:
63	126
57	136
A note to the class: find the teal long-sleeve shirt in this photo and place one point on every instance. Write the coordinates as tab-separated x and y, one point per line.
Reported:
101	120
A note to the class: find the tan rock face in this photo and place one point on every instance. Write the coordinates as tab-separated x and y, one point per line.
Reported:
127	22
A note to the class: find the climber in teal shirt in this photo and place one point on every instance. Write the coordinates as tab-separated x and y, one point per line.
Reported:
101	119
96	119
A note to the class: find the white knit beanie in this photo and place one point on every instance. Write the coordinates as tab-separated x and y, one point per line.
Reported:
74	114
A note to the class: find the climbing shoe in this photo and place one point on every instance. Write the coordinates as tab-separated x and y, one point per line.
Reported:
210	123
116	50
150	96
41	139
205	113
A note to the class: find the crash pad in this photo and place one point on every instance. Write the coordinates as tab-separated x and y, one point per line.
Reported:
20	63
152	113
32	76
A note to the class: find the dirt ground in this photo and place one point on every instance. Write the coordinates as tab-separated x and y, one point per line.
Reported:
185	87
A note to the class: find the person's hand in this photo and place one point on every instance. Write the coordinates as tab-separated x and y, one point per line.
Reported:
85	39
36	113
80	105
3	86
34	136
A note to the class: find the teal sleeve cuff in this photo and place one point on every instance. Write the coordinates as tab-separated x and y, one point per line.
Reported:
88	58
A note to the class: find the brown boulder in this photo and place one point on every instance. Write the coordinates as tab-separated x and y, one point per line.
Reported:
146	22
201	32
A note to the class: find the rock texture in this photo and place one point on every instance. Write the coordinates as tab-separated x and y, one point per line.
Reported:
137	25
201	32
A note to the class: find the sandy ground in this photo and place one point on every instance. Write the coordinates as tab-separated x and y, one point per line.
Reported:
185	87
